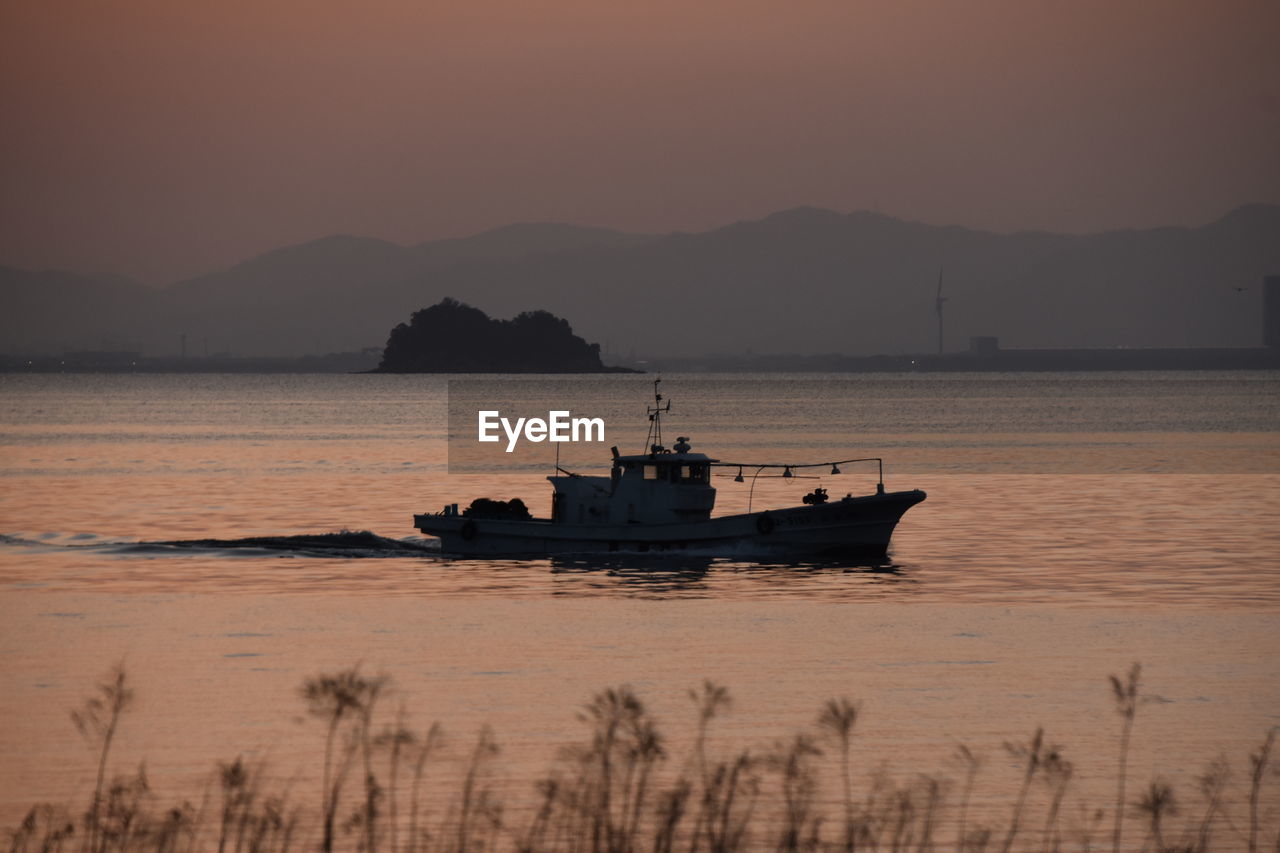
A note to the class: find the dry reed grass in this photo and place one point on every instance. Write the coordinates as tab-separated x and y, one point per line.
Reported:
620	790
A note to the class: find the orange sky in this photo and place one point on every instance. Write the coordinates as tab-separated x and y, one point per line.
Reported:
164	138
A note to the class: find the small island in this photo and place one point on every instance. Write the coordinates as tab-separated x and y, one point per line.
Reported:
452	337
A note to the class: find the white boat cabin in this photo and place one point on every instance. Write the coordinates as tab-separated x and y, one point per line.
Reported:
661	487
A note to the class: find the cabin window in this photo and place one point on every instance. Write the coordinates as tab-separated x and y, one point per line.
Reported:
651	472
694	473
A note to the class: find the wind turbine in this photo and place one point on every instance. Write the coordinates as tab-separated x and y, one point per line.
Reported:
938	306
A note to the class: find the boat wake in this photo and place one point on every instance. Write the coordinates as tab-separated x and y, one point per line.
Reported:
365	544
344	544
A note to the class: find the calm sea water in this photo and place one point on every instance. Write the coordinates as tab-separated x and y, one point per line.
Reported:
1075	524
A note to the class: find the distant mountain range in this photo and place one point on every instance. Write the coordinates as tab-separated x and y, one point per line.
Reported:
800	281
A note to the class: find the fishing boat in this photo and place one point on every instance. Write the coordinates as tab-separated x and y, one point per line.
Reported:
661	501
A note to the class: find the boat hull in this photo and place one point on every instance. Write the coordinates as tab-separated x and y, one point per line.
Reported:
853	527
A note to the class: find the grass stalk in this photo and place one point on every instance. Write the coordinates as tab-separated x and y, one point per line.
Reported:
1257	771
1125	694
97	720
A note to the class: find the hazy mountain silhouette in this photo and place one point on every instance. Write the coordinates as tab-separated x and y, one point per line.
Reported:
49	310
523	240
804	280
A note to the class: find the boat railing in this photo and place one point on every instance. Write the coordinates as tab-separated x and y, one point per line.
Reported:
787	470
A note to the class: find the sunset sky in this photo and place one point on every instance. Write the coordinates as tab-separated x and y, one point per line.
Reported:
164	138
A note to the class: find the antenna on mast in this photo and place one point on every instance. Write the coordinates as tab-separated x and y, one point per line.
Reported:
654	440
938	307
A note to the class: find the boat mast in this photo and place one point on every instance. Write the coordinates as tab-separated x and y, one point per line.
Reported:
654	439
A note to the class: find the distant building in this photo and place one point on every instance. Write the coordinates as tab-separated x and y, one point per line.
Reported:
984	345
102	360
1271	311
